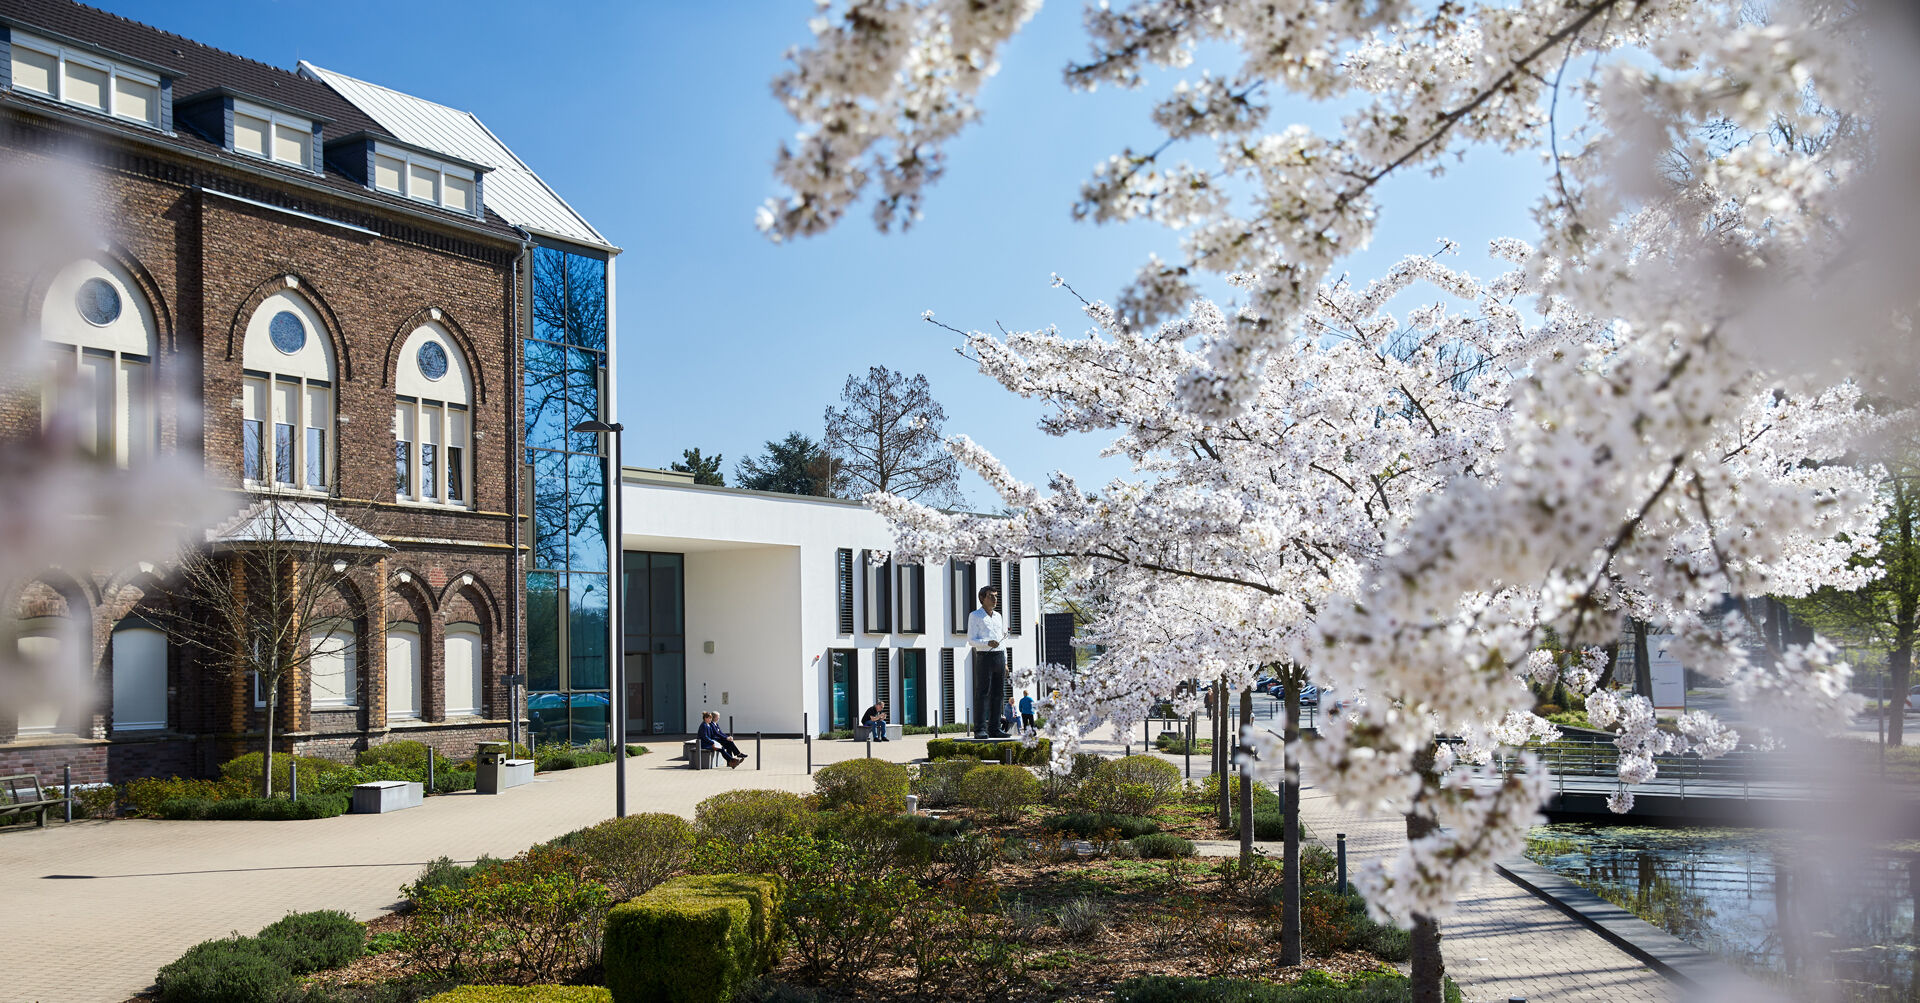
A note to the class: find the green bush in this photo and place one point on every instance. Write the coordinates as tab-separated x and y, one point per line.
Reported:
146	795
1059	788
531	919
445	873
453	780
1087	825
1207	791
1162	846
1267	826
247	769
739	816
991	751
1003	792
1330	921
524	994
695	939
1134	785
274	809
631	855
309	942
233	970
938	784
862	785
407	754
1379	986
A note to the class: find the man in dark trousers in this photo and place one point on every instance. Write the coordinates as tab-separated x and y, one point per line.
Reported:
875	721
986	635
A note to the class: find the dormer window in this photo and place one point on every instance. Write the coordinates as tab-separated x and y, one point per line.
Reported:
84	80
272	135
417	176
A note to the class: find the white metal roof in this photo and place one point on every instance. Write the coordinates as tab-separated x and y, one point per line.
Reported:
292	523
510	189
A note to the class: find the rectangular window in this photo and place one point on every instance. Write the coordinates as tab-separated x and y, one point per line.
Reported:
250	134
136	99
316	458
96	381
423	182
456	475
286	418
877	576
33	70
430	420
319	417
251	432
291	144
913	598
283	468
458	193
135	431
403	451
843	589
386	173
960	597
84	85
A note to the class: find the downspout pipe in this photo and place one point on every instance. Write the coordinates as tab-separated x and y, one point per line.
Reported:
516	601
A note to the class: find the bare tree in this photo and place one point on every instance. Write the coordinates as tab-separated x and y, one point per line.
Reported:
248	599
886	437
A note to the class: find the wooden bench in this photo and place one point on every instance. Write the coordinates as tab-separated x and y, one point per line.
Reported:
21	794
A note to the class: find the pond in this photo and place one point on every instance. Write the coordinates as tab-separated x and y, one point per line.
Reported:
1849	915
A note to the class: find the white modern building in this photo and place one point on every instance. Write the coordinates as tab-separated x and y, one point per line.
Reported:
766	608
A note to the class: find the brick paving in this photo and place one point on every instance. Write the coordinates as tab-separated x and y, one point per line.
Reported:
95	908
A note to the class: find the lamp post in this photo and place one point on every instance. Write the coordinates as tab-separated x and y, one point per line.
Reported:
617	596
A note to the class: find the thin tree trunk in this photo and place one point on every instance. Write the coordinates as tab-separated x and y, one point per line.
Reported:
1224	802
1429	968
1290	851
1246	783
266	760
1900	660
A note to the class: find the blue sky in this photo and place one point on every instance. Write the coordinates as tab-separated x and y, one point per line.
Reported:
655	120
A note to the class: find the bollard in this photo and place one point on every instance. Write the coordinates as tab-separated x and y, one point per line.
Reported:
293	778
430	768
869	744
808	741
1516	999
1128	748
1340	861
1146	732
1006	755
756	750
66	780
729	724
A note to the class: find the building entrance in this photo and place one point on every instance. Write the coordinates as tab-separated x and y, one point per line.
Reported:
656	644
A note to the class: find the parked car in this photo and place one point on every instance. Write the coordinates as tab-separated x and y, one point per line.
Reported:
1913	700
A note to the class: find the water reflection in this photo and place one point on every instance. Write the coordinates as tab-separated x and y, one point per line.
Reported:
1848	930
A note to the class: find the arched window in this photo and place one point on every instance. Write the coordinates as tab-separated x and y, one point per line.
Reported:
403	672
432	420
463	669
332	674
104	330
286	437
139	676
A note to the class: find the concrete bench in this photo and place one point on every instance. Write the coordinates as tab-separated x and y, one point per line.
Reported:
382	796
701	759
895	732
514	772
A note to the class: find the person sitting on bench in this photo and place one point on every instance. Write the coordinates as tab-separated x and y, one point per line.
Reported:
712	737
875	721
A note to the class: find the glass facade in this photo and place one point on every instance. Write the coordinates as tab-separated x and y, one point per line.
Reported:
656	643
565	370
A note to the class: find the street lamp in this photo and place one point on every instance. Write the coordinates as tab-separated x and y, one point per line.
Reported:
617	595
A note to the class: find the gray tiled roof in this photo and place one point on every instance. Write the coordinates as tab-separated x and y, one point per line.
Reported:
292	523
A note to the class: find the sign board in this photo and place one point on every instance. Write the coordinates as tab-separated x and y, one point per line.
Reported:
1669	676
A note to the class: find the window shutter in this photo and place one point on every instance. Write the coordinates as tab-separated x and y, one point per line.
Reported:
911	584
843	568
946	686
883	682
1012	602
879	583
993	579
960	591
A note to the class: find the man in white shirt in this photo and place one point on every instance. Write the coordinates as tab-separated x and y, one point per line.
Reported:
986	635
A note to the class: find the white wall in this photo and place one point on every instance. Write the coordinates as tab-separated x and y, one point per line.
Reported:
760	580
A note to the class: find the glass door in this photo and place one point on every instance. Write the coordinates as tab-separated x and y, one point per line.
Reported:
841	689
913	686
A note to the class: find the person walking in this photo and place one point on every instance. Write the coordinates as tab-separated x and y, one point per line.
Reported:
1026	710
986	631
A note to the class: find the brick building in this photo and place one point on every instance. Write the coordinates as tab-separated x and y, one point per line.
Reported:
352	301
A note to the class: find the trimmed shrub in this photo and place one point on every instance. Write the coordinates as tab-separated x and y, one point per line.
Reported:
1003	792
453	780
738	816
257	809
308	942
1134	785
1379	986
246	770
938	784
523	994
972	748
146	795
1207	791
1087	825
862	785
1267	826
232	970
631	855
695	939
1162	846
407	754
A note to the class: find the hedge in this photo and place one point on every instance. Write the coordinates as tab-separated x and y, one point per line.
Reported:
1003	792
694	939
308	942
257	809
1379	986
1162	846
232	970
523	994
739	816
1087	824
1037	754
1267	826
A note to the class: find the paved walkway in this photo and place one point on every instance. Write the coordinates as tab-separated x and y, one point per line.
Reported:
96	908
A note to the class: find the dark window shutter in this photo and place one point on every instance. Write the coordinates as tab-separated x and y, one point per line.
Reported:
879	584
911	585
993	579
1012	601
946	686
843	568
961	589
883	682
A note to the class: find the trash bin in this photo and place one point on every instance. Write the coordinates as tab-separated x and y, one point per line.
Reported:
489	767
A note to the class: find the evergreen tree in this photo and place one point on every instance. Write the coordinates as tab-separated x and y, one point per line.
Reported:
705	469
796	465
